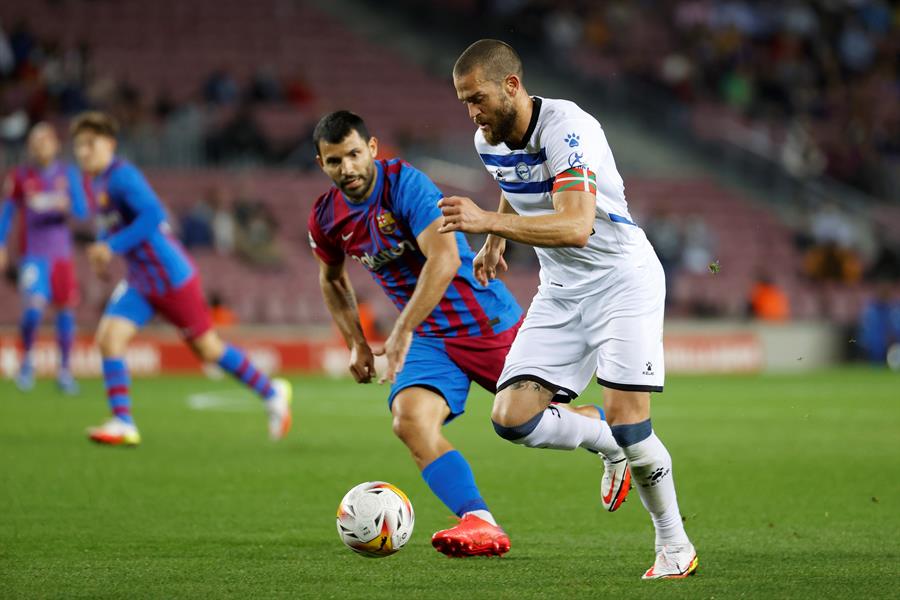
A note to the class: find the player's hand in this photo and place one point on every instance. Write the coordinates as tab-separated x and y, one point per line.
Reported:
99	254
362	363
4	259
489	259
461	214
395	348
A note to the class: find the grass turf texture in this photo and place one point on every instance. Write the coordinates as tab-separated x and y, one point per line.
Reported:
789	485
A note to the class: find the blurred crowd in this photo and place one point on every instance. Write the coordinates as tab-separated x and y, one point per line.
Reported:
44	80
815	84
237	224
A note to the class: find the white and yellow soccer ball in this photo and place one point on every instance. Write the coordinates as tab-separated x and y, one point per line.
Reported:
375	519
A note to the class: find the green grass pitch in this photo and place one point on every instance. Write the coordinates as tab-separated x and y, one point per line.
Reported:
790	486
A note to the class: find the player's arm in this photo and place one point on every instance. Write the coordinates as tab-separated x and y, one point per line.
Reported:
130	186
127	185
569	225
441	265
7	213
490	257
341	302
78	201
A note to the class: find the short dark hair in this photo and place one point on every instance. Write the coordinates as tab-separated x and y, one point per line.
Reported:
497	60
95	122
335	127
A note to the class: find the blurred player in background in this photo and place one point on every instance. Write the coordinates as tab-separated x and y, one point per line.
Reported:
599	308
44	191
161	279
451	330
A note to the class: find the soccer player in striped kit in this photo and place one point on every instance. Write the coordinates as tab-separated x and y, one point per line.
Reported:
44	191
161	279
599	308
450	332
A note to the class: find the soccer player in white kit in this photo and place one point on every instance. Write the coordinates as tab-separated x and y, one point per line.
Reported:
600	303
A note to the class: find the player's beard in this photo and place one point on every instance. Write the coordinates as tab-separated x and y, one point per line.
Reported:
504	120
359	194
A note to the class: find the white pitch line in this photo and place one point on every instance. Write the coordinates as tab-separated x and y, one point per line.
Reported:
225	401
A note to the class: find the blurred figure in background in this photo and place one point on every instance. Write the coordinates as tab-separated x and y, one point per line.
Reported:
833	255
161	279
222	315
256	241
196	226
44	191
879	324
223	225
768	302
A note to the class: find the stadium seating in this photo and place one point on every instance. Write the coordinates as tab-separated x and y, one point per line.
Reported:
172	46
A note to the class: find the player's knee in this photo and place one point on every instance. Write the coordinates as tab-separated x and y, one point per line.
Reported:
208	347
513	420
625	407
412	430
109	344
502	412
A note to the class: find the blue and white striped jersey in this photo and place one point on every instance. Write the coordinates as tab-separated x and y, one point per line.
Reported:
565	149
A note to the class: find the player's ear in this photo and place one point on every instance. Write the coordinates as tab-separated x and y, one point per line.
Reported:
373	146
511	85
319	161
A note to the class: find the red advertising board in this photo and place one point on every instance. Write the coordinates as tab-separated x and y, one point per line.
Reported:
149	355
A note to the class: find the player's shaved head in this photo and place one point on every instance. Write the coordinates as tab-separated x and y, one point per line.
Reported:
42	128
497	61
334	128
95	122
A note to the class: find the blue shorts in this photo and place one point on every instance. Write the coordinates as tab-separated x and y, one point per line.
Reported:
47	280
449	365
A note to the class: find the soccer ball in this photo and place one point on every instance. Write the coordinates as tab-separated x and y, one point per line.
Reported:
375	519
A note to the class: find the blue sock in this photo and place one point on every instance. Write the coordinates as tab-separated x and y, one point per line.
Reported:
28	326
235	362
117	381
450	478
631	434
65	333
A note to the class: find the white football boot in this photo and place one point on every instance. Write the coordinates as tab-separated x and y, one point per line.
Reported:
616	482
279	409
674	562
115	432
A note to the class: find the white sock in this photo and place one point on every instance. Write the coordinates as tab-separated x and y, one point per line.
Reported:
651	472
563	429
484	515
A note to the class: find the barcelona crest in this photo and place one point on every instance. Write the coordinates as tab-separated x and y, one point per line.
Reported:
386	223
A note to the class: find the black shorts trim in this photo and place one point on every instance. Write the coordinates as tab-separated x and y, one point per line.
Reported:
564	398
629	387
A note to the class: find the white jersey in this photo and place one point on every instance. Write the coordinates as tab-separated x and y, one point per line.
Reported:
565	148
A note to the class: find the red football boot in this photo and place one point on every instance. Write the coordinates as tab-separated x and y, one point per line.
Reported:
472	536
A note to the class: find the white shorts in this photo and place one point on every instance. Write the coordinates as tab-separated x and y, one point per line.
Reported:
615	333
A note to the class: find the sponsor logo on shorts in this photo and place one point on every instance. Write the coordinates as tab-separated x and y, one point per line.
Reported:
649	368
